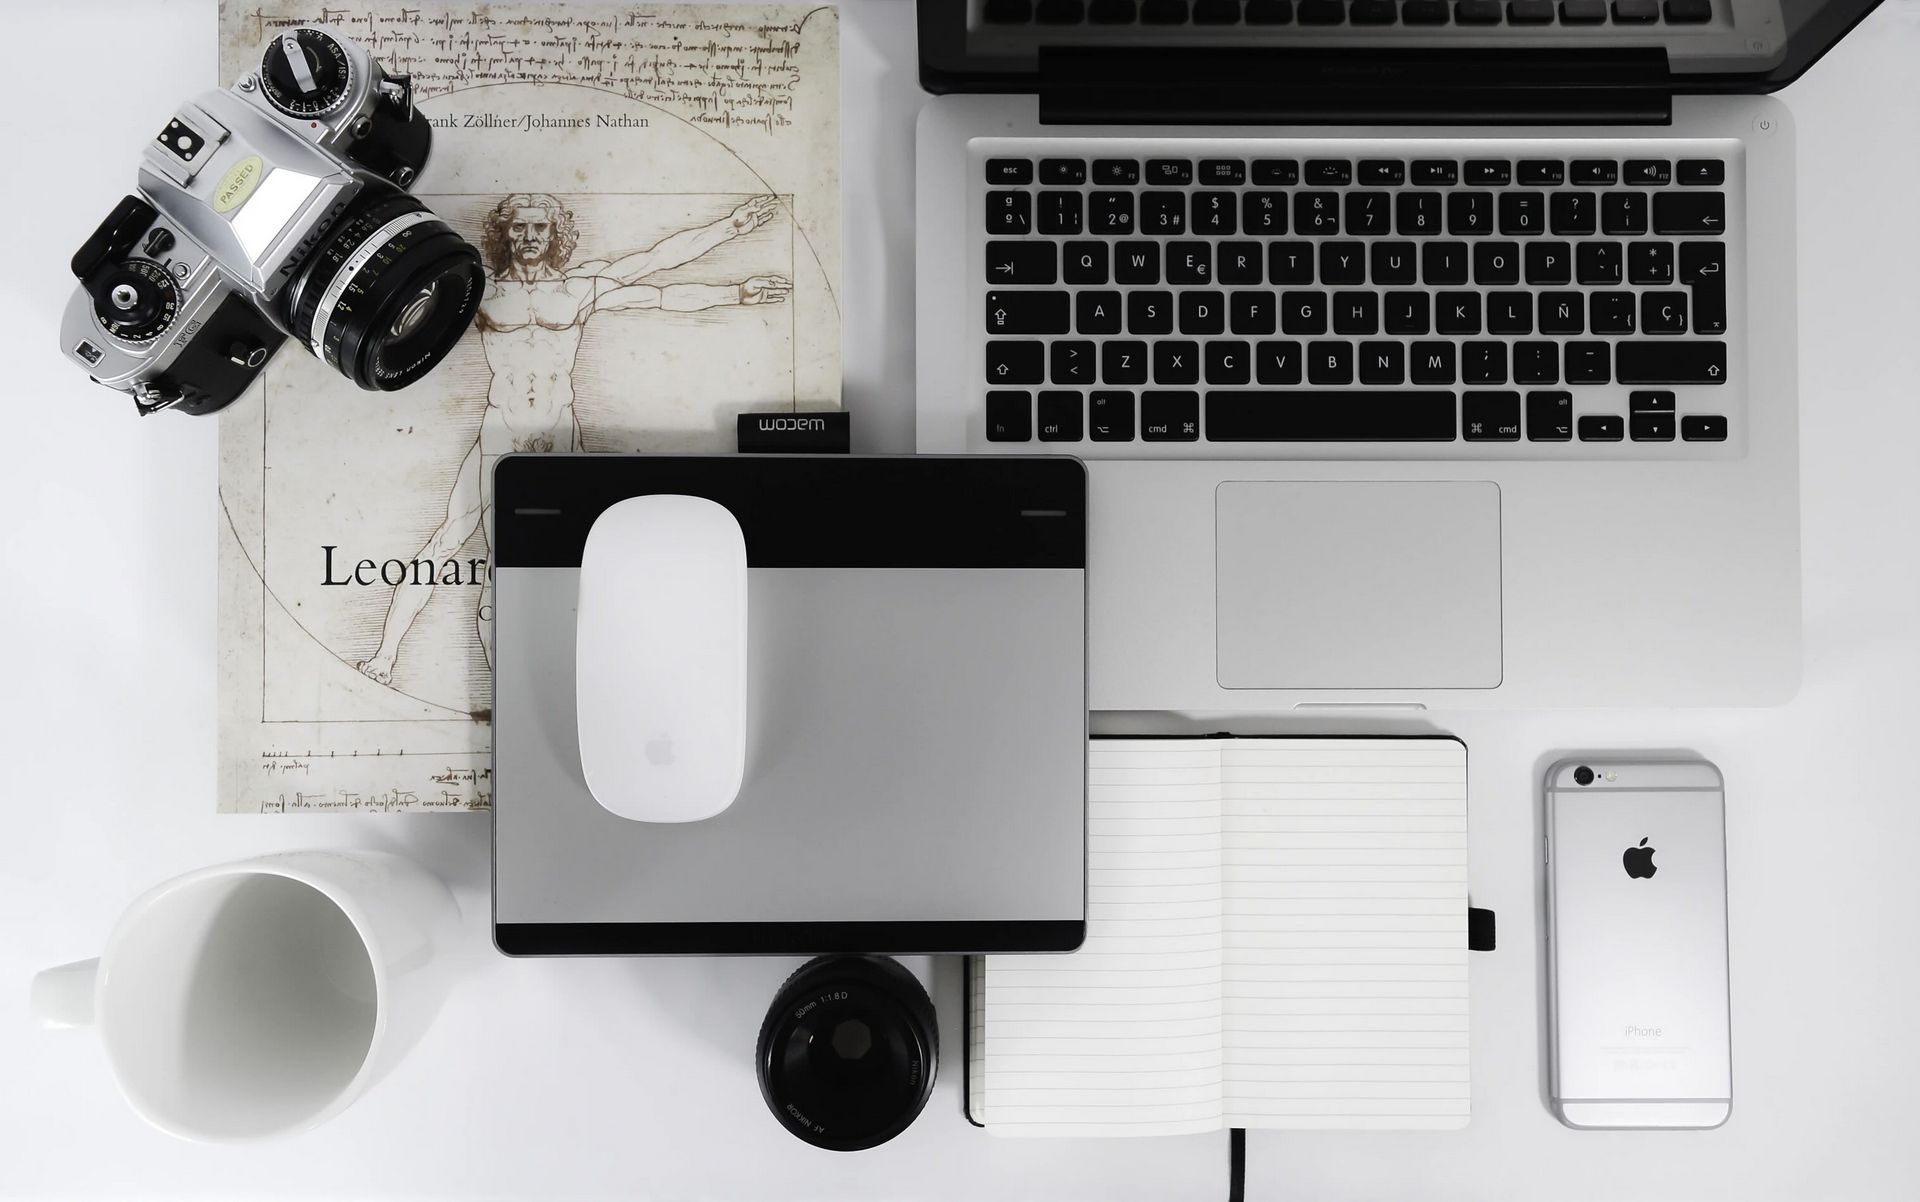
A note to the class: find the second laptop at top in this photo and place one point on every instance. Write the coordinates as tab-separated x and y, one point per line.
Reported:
1414	364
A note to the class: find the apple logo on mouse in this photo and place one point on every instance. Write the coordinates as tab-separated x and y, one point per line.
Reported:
1639	861
660	752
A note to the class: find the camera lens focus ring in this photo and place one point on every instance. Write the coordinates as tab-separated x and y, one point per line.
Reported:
847	1054
388	293
1583	775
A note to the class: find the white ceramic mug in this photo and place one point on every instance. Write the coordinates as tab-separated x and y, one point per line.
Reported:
261	997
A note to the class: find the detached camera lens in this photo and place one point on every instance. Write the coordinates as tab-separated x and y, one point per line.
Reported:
847	1053
1583	775
388	292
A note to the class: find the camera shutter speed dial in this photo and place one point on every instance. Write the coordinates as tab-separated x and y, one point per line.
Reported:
135	301
305	73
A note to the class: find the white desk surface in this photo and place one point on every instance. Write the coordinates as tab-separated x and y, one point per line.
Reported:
632	1078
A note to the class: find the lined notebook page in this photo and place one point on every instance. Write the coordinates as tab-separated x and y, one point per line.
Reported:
1345	933
1123	1037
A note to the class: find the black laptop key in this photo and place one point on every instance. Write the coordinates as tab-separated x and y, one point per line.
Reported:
1435	173
1694	173
1060	212
1549	416
1176	363
1671	361
1710	306
1542	173
1136	262
1009	416
1008	12
1073	362
1573	212
1563	313
1483	363
1060	12
1110	213
1523	212
1263	212
1316	213
1369	211
1636	12
1583	12
1116	172
1468	213
1530	12
1650	401
1383	173
1623	214
1406	313
1690	213
1277	362
1276	173
1647	172
1586	363
1203	313
1689	12
1408	415
1373	12
1020	263
1123	362
1417	214
1063	171
1223	173
1703	427
1425	12
1016	362
1356	312
1601	427
1113	12
1477	12
1097	312
1613	313
1168	173
1216	12
1189	263
1213	213
1163	12
1595	172
1290	262
1456	313
1029	312
1393	263
1163	212
1251	312
1383	363
1488	173
1549	263
1321	12
1149	312
1169	416
1663	312
1110	416
1651	427
1536	362
1305	312
1509	312
1239	263
1084	262
1329	362
1062	416
1443	263
1431	362
1343	262
1228	362
1490	416
1329	173
1009	212
1650	262
1496	263
1598	263
1009	173
1269	12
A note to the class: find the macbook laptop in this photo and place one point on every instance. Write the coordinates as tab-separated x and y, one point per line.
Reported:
1422	352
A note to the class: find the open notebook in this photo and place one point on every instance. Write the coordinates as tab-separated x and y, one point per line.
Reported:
1276	937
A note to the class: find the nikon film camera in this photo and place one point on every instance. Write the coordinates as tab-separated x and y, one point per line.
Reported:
276	208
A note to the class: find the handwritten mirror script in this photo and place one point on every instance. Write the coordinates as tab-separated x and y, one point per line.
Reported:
655	193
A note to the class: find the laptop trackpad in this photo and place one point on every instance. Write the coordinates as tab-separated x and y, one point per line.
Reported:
1357	584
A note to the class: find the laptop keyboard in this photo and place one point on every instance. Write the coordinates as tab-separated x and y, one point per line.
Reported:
1361	13
1168	298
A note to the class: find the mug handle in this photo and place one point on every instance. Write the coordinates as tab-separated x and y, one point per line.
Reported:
63	996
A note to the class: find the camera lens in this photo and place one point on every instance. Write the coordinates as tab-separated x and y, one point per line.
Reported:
1583	775
847	1053
388	292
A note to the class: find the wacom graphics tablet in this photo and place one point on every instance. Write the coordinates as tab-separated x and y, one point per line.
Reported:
916	714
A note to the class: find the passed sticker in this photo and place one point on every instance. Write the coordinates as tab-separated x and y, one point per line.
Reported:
238	184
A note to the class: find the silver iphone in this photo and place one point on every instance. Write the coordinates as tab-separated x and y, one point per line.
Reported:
1637	944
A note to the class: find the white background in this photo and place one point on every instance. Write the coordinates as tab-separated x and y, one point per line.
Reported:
632	1078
